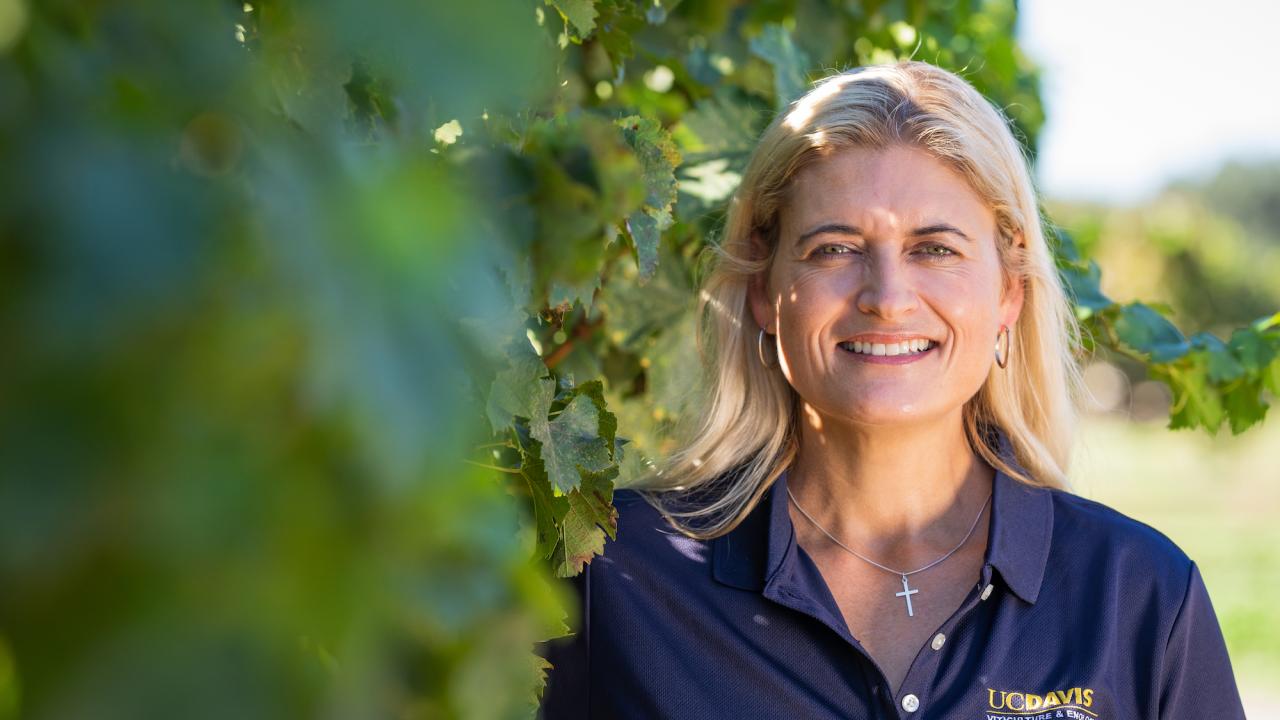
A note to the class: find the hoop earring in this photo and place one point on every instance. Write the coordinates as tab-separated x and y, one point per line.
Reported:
1003	361
760	350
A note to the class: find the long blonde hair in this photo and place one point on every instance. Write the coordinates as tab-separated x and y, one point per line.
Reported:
745	432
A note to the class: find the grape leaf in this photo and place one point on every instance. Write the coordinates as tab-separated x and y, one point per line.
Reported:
1272	377
1085	289
1223	366
1251	346
1147	331
774	45
1195	401
522	388
572	441
580	13
549	509
591	515
725	124
1245	406
646	232
658	158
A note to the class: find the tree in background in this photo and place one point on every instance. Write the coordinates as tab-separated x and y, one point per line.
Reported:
321	319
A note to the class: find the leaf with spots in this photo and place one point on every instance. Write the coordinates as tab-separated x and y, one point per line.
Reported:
590	518
658	158
572	444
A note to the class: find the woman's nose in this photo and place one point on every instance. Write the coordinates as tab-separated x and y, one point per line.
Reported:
886	290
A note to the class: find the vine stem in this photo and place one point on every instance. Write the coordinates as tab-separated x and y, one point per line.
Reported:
493	467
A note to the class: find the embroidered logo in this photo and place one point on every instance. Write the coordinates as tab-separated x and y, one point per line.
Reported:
1075	703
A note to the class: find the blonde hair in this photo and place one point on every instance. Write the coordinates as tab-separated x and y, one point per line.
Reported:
746	429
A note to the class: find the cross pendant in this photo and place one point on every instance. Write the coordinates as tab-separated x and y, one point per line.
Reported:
906	594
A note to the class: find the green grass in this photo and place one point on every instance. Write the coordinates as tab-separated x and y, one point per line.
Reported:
1219	500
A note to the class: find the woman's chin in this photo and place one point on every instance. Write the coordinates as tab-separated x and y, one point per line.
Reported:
885	414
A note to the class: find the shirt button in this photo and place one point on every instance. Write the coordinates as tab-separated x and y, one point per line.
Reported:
986	591
910	703
938	640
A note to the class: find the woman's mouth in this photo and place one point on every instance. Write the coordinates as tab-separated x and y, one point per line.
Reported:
889	353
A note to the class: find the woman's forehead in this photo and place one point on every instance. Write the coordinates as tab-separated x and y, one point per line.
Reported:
883	188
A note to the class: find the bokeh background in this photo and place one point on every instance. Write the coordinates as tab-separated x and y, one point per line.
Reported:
327	327
1161	153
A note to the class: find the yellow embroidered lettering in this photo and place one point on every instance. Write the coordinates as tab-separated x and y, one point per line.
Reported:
992	699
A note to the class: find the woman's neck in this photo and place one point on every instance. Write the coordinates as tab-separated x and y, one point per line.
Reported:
902	492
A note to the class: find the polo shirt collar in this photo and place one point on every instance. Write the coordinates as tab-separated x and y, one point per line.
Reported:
762	550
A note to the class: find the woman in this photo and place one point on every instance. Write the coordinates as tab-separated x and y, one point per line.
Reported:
869	519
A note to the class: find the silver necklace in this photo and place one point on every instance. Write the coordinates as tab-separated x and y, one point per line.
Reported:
907	590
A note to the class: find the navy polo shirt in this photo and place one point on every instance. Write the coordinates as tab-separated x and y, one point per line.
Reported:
1079	612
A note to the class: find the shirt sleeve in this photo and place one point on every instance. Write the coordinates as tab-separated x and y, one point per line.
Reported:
566	696
1196	679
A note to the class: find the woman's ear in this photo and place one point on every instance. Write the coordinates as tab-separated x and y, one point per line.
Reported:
1011	306
1014	289
762	309
761	306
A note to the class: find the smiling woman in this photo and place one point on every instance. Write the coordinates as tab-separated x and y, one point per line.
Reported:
889	363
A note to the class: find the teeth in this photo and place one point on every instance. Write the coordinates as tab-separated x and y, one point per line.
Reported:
888	349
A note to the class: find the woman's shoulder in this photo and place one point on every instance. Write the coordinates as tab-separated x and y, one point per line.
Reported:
645	536
1090	530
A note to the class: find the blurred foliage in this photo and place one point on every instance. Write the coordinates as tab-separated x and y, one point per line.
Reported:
321	319
1207	254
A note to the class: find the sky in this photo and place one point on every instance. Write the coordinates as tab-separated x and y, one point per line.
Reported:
1141	92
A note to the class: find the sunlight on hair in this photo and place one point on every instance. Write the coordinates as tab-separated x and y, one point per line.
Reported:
720	308
807	106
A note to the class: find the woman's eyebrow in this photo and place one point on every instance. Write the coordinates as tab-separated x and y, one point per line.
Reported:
938	228
842	229
835	228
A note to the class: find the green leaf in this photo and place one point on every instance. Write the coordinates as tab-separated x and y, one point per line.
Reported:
789	63
646	233
1223	366
1245	406
1064	246
618	22
1272	377
659	158
1195	401
1266	323
579	13
571	443
725	124
585	179
1252	347
631	464
549	509
522	388
1085	289
1147	331
608	423
591	516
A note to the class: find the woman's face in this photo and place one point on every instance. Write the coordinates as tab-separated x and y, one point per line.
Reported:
878	247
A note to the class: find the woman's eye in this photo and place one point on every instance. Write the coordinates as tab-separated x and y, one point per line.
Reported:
833	250
937	250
